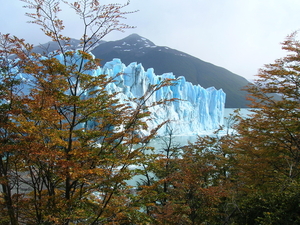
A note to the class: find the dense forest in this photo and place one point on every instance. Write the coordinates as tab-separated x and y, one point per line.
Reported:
68	148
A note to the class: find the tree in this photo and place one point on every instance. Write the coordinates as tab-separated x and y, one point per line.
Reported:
155	186
256	168
272	131
186	184
98	20
268	147
10	90
66	144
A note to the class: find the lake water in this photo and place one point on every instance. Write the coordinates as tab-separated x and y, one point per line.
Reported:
243	111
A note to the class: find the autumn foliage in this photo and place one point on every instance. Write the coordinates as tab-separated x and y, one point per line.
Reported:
69	149
248	175
66	144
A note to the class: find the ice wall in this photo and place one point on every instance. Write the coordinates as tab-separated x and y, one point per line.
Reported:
198	111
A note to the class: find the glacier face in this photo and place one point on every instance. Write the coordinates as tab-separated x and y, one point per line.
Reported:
198	110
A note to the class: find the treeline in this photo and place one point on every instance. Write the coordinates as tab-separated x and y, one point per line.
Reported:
68	148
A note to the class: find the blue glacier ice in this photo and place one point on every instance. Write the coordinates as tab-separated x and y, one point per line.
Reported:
199	110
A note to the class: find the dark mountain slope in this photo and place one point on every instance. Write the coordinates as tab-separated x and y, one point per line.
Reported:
51	46
163	59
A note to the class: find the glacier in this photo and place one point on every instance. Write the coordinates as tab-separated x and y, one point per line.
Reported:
196	111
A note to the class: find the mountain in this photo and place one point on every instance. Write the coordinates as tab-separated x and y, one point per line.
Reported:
135	48
52	46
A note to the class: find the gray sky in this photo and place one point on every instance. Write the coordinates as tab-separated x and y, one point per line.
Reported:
239	35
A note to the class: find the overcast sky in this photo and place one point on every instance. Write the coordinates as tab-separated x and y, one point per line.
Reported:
239	35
